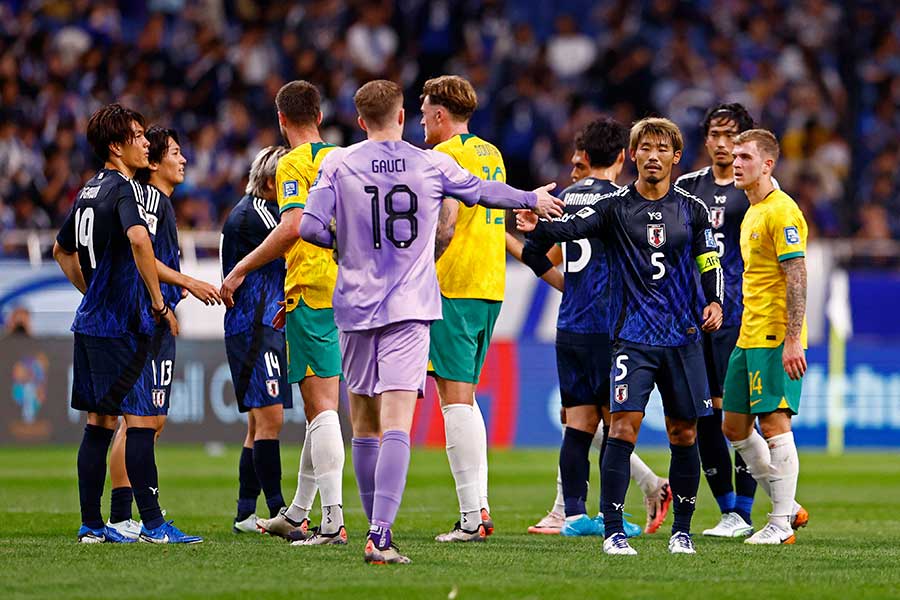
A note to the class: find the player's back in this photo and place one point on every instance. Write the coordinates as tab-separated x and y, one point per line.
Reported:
584	305
255	302
115	300
388	196
474	264
164	233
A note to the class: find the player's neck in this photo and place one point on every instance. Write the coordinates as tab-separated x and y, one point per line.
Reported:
454	129
297	136
652	191
760	190
723	175
164	186
117	165
607	173
388	134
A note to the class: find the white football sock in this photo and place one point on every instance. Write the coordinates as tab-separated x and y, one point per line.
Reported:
755	453
559	505
332	518
482	461
597	442
643	475
328	459
460	424
306	484
783	471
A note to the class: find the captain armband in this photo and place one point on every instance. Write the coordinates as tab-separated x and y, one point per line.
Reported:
708	262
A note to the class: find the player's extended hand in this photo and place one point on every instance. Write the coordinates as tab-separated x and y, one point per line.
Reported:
548	205
229	287
526	220
204	292
793	358
281	316
712	317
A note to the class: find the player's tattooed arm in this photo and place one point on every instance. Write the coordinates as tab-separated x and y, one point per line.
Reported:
446	226
793	356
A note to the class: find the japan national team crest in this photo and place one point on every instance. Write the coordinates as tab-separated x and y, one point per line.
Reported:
159	397
272	387
621	395
717	216
656	234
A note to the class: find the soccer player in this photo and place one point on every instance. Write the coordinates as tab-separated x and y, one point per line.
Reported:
164	172
105	250
653	234
313	354
387	292
766	368
254	346
471	272
582	342
727	205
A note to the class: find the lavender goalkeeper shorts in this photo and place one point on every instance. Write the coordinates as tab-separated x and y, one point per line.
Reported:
389	358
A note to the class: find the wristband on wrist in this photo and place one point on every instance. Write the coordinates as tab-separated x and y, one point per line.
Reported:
161	312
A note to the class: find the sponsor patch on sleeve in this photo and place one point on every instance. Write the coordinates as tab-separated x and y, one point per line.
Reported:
585	212
710	241
289	188
791	235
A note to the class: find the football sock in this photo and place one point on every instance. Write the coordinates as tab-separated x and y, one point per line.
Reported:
684	477
332	518
783	472
575	469
306	484
328	457
248	485
365	457
559	504
745	486
92	472
140	462
755	452
460	423
267	463
120	500
643	475
390	477
481	438
614	475
715	457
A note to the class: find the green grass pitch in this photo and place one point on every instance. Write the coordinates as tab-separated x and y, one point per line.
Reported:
851	548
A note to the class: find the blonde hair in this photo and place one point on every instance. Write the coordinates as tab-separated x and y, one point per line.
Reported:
656	127
262	169
453	93
765	140
376	100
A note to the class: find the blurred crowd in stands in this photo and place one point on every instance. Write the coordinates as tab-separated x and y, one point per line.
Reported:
824	75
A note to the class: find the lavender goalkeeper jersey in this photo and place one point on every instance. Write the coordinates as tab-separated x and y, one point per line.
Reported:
385	198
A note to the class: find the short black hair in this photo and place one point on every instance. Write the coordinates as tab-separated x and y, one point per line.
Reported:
732	112
299	101
602	140
110	125
158	136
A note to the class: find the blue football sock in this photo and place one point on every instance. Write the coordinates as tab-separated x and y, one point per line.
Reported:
140	462
745	486
249	489
715	456
267	462
684	479
120	504
614	476
743	505
92	473
726	502
575	469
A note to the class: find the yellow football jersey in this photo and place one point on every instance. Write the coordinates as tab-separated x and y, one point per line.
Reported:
311	271
773	231
474	264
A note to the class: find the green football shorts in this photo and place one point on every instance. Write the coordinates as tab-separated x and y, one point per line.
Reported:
311	338
459	342
756	383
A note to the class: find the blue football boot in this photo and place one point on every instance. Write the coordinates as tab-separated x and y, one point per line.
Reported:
167	534
104	535
631	530
582	526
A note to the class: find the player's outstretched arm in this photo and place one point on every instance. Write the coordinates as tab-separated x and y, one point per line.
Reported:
202	291
142	249
315	227
793	356
276	244
71	268
446	226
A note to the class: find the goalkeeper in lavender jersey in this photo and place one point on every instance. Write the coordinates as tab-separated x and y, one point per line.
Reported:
384	196
654	235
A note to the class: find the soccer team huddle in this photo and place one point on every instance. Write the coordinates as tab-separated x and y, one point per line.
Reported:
381	263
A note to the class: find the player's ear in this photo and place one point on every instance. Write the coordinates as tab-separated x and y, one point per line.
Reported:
620	159
281	119
115	149
676	157
362	124
402	117
153	166
321	116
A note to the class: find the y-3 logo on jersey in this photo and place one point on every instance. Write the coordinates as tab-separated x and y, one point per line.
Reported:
720	199
655	216
656	234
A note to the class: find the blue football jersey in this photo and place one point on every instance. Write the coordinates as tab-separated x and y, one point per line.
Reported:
727	206
651	247
160	217
255	302
116	299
